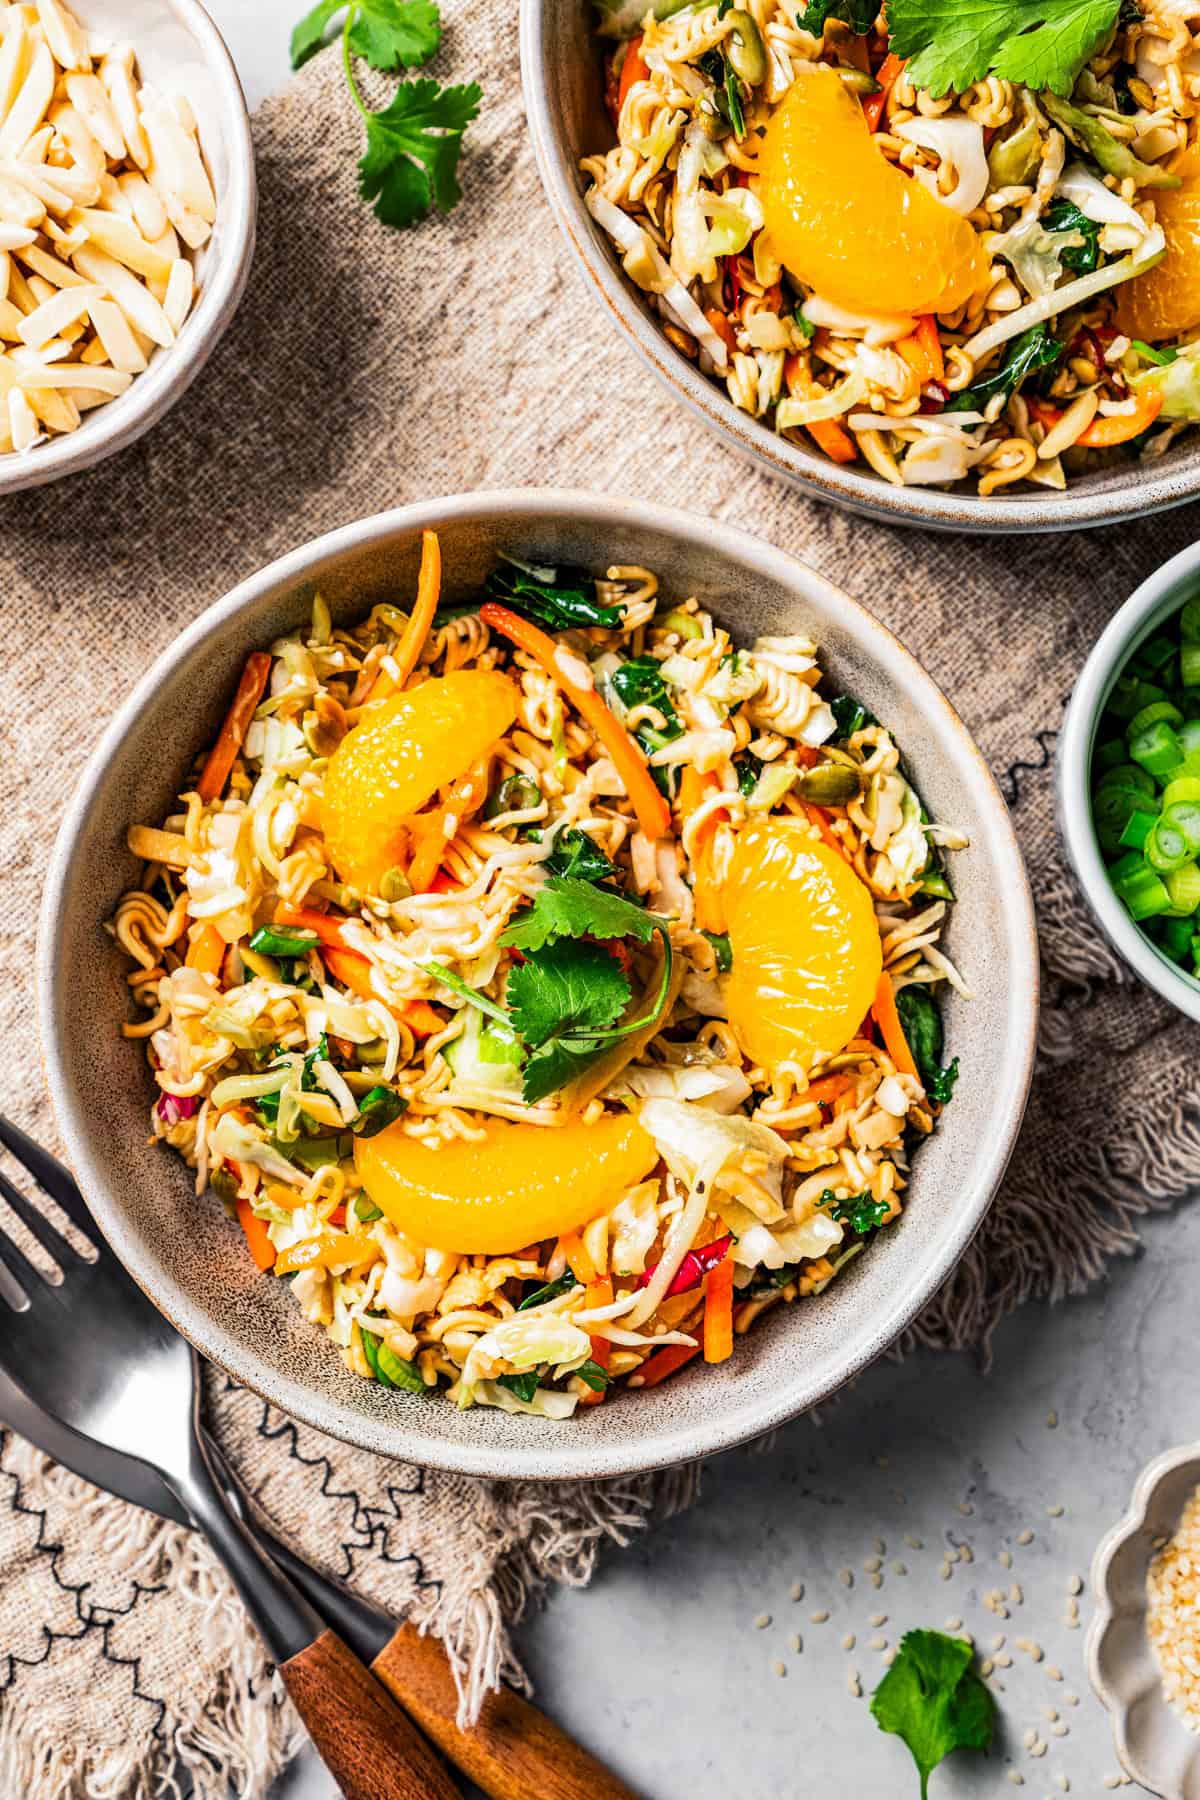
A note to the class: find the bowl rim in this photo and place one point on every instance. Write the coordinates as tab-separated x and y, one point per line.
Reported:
626	1452
1146	608
1132	1520
145	402
930	509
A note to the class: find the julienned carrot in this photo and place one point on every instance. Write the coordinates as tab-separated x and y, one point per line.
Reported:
656	1368
722	324
206	949
923	350
892	1031
694	789
327	1252
833	439
224	752
261	1247
461	800
818	817
653	813
718	1312
600	1293
354	972
429	587
829	1089
581	1264
634	68
1118	428
887	75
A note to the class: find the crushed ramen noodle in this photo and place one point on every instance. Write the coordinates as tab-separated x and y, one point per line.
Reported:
994	286
547	984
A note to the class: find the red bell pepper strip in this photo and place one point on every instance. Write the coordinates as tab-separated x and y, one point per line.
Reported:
693	1268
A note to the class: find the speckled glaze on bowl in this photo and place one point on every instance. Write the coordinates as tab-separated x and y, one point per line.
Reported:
179	50
564	102
1154	1745
1146	610
190	1258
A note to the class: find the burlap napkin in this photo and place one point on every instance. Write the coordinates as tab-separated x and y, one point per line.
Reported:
367	368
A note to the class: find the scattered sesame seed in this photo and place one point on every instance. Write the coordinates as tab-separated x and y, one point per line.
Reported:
899	1498
876	1579
889	1656
1052	1420
965	1508
877	1643
1003	1660
1005	1559
965	1553
1054	1672
1064	1783
872	1564
1058	1729
778	1668
1048	1712
1070	1699
1016	1595
818	1618
854	1684
797	1590
954	1624
1075	1585
762	1621
914	1543
1055	1512
880	1547
945	1571
883	1462
1039	1749
998	1685
1025	1537
1112	1781
796	1642
1030	1738
848	1641
998	1641
1072	1623
1016	1777
986	1666
899	1568
846	1577
879	1619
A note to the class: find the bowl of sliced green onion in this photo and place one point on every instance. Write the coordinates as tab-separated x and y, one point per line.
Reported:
1129	781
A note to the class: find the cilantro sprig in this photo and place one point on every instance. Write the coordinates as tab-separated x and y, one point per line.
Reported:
1044	44
413	144
933	1698
566	996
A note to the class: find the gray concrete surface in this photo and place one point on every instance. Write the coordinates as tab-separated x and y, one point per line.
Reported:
660	1665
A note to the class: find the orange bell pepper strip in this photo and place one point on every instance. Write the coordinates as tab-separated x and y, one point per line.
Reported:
634	68
891	1030
887	75
1118	428
224	753
829	1089
261	1247
819	819
408	650
327	1253
827	434
599	1293
206	949
722	324
580	1263
665	1362
354	972
718	1312
923	350
653	813
694	789
326	926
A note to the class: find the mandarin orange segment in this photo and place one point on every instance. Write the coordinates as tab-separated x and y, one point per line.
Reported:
1165	301
517	1185
397	757
806	949
847	222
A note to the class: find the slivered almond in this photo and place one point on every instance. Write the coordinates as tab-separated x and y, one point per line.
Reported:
116	76
16	237
22	420
27	110
180	285
177	169
135	300
11	319
75	374
120	238
148	210
15	53
57	412
51	270
86	150
65	35
19	205
48	320
116	338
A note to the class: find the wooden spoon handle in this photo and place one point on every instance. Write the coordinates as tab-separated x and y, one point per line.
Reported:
368	1745
514	1753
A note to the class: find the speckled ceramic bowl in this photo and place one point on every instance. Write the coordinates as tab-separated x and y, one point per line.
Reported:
1154	1745
561	70
188	1256
180	51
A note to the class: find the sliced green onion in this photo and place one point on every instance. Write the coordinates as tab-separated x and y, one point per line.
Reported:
1137	829
1183	816
1189	665
1183	787
1167	848
1149	715
1160	358
1174	937
1144	895
1127	774
282	940
1183	885
516	793
1109	756
1189	621
1157	749
1130	694
1113	808
1156	655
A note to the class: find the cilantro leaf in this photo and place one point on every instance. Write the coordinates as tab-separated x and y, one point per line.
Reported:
933	1699
1042	43
393	34
567	989
1035	349
413	146
921	1018
1065	216
859	15
555	1066
568	907
576	854
309	35
559	598
593	1376
524	1386
860	1212
465	991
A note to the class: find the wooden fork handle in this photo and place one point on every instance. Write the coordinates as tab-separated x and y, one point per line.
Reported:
514	1753
368	1745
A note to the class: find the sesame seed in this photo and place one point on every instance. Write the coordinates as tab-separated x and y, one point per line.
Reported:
1070	1699
854	1684
876	1580
954	1624
899	1498
848	1641
872	1564
986	1666
1048	1712
1025	1537
1016	1595
1112	1781
796	1642
1016	1777
1005	1559
883	1462
1072	1623
1003	1660
880	1547
879	1619
797	1590
945	1571
1053	1672
1075	1585
877	1643
889	1656
914	1543
965	1508
1064	1784
1039	1749
998	1641
846	1577
818	1618
899	1568
965	1553
1058	1729
778	1668
762	1621
1055	1512
1030	1738
1052	1421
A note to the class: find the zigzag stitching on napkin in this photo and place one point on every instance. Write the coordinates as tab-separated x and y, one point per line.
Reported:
85	1611
1010	781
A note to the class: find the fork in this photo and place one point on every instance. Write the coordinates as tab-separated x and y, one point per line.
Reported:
134	1391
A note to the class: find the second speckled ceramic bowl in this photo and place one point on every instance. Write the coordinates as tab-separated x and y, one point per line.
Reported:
187	1254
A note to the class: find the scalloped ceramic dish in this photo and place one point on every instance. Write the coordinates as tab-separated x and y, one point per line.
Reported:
560	72
189	1257
1153	1743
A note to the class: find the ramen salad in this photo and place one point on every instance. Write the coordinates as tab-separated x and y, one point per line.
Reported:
548	984
951	251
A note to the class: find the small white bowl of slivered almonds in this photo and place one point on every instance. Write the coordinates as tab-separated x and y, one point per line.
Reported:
1144	1644
127	209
